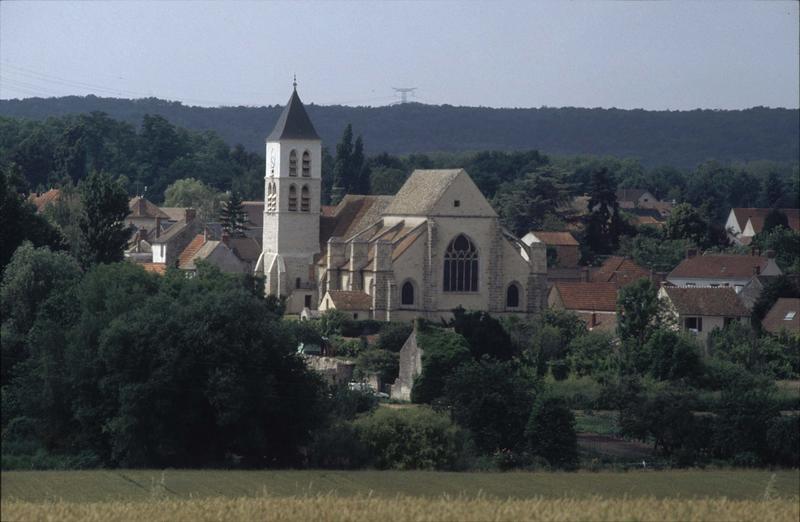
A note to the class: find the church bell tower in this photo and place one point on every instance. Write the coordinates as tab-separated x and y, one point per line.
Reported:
292	186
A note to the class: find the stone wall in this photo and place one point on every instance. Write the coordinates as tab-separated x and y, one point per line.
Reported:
410	368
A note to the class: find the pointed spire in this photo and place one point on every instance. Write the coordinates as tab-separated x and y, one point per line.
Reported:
294	83
294	123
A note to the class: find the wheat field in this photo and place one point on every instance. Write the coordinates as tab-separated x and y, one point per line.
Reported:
403	508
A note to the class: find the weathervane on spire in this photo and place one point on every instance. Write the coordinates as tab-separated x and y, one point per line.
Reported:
294	82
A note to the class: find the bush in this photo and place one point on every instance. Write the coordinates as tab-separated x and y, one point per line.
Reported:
673	356
591	354
411	438
393	336
384	363
783	440
550	433
443	353
338	447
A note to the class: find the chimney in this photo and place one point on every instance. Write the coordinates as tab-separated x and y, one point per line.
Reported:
225	238
594	320
691	252
189	214
585	274
142	234
158	227
756	270
770	254
205	234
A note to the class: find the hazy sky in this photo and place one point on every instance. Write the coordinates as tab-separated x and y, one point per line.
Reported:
665	55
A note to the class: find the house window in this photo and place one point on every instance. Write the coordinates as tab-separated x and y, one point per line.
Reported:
355	316
407	293
292	198
305	199
456	202
308	301
512	296
293	163
461	266
690	285
306	164
297	283
789	316
694	323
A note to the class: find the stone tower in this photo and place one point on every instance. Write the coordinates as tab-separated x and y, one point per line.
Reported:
291	207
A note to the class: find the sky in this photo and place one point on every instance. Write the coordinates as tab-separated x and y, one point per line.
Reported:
650	55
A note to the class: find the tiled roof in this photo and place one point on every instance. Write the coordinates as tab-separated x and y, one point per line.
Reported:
293	123
255	213
190	250
555	238
156	268
720	266
631	194
721	302
421	191
44	199
619	270
246	248
784	315
353	214
349	300
602	322
587	296
174	213
757	215
142	208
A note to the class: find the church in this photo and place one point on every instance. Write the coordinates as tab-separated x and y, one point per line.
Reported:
434	246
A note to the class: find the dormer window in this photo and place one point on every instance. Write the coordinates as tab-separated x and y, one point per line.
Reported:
293	163
306	164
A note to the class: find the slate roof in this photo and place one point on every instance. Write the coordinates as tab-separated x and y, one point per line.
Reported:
597	296
719	302
142	208
174	213
619	270
352	215
742	214
720	266
293	123
780	316
350	300
555	238
421	191
44	199
246	248
255	213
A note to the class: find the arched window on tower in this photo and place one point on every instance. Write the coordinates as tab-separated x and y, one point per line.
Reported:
512	296
461	266
306	164
293	163
305	199
272	197
292	198
407	294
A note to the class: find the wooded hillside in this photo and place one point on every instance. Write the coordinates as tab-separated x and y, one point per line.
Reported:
677	138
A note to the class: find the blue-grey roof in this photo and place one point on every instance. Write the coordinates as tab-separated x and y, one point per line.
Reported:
294	123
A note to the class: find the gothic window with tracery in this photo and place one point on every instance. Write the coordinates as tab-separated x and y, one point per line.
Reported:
305	199
306	164
292	198
293	163
272	197
461	266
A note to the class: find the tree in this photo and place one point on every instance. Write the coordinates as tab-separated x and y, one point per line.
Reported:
550	433
493	399
604	225
672	356
785	243
638	311
233	216
484	334
20	222
190	192
531	203
686	222
772	191
103	229
442	353
774	219
342	165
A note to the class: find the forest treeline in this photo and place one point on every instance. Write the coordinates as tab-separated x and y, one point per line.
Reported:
677	138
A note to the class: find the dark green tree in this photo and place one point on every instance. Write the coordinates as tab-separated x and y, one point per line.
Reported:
604	224
550	433
484	334
775	218
772	191
342	167
104	231
637	311
233	216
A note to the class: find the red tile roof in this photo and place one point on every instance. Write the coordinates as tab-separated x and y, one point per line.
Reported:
619	270
758	214
784	315
587	296
44	199
156	268
720	266
191	249
719	302
555	238
142	208
349	300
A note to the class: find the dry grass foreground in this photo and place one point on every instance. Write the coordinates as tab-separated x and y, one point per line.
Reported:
332	508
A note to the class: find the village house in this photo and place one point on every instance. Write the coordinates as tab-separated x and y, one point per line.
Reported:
744	223
562	248
42	199
722	270
437	244
621	271
784	317
594	302
700	310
